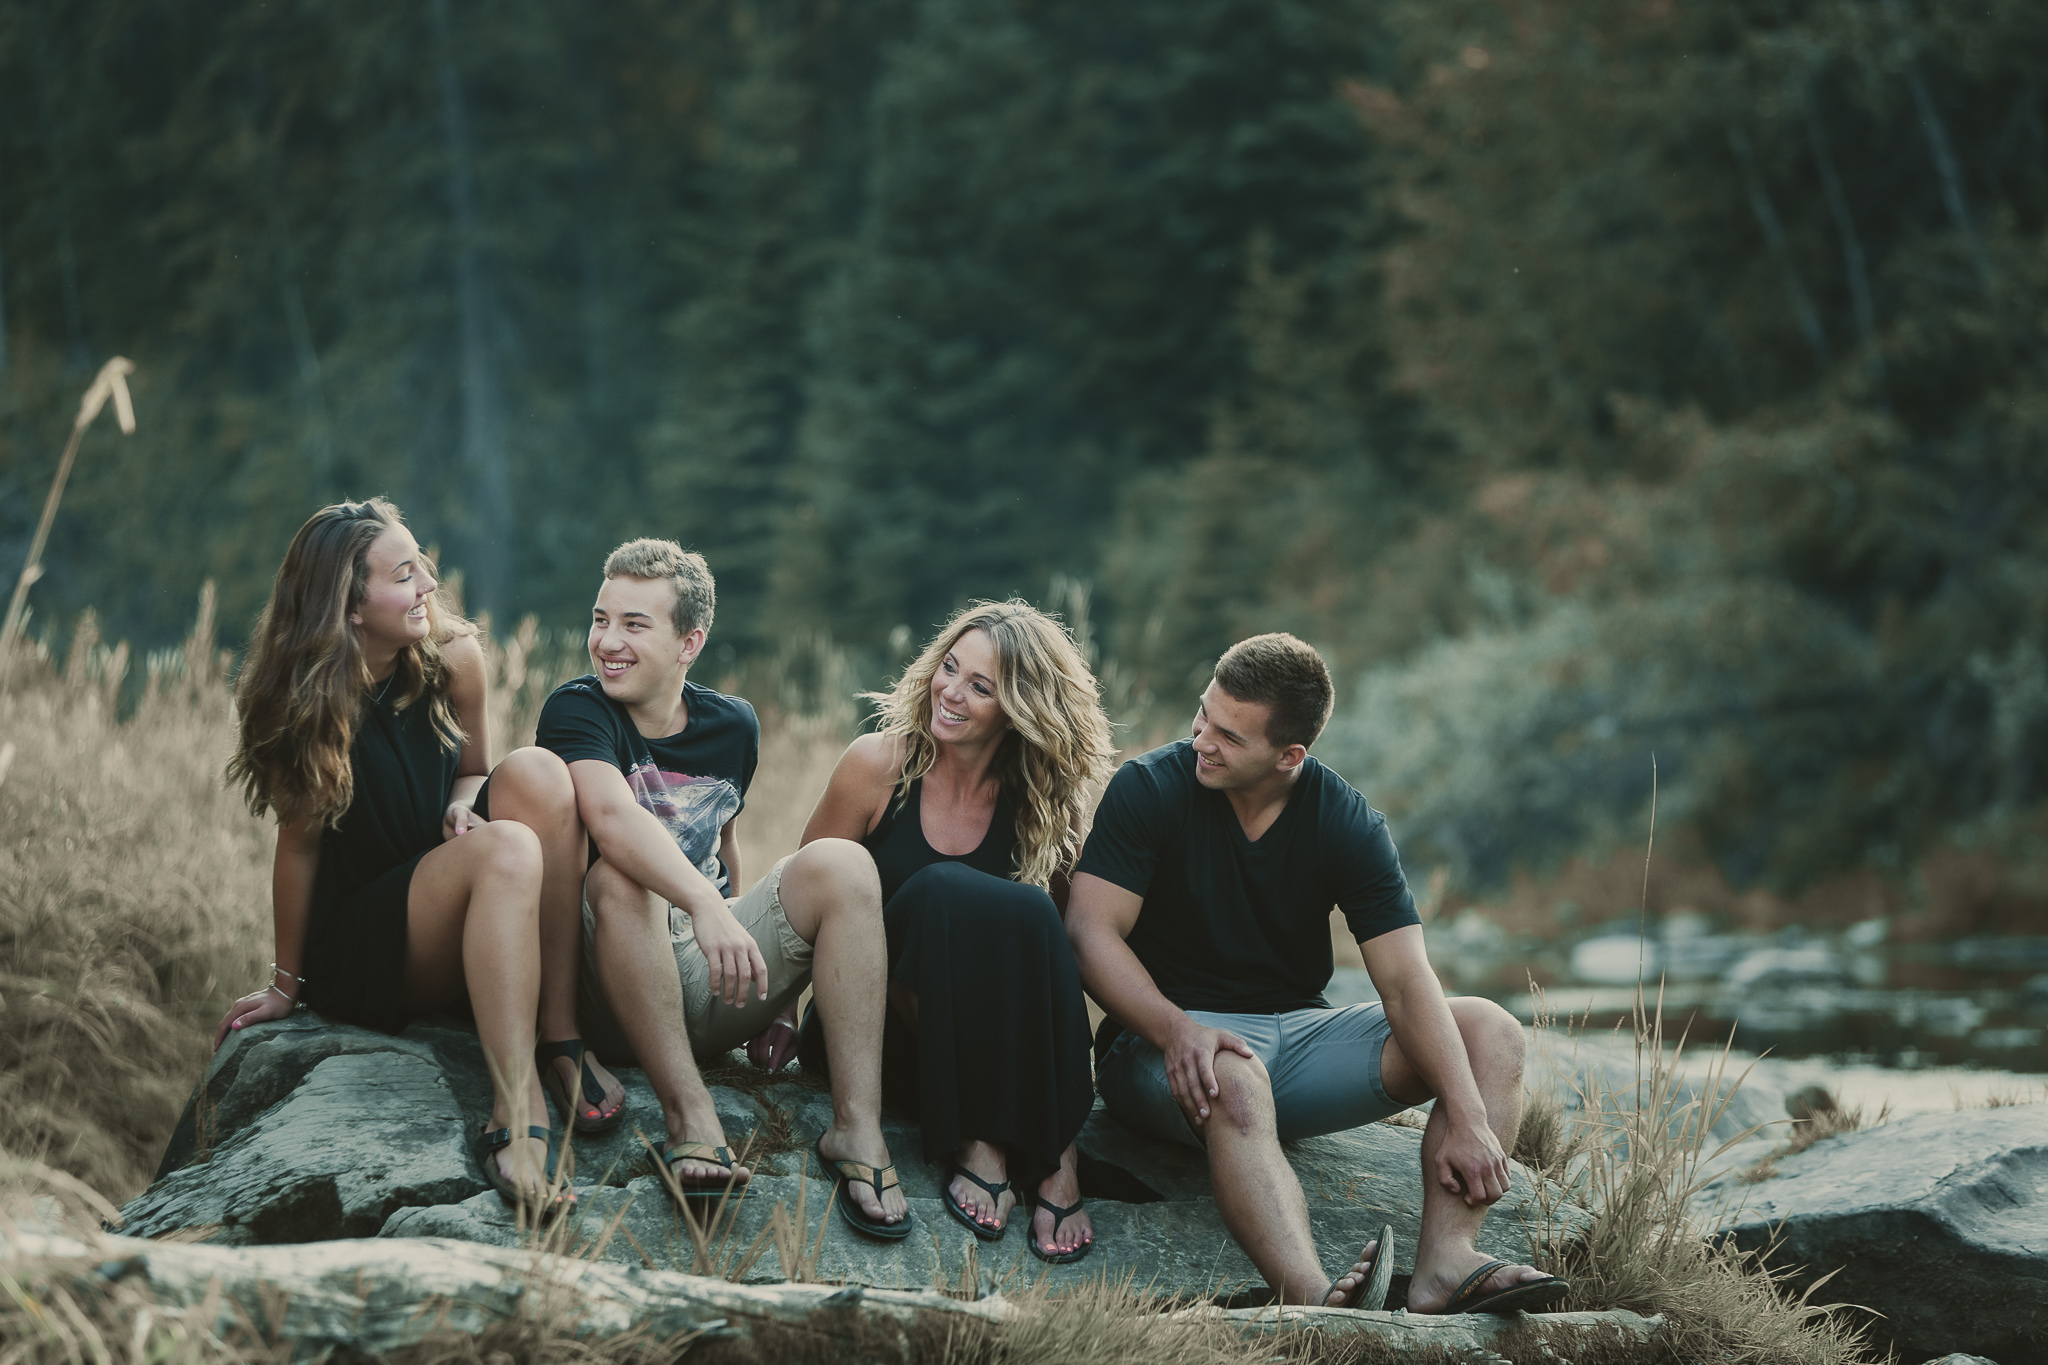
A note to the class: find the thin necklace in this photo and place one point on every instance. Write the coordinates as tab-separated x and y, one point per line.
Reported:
384	688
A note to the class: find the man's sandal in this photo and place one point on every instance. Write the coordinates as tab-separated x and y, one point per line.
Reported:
697	1190
587	1114
860	1173
492	1141
1516	1298
1059	1216
965	1217
1371	1293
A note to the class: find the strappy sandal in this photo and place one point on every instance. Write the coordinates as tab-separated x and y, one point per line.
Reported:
1059	1216
587	1116
1516	1298
860	1173
492	1141
697	1190
966	1219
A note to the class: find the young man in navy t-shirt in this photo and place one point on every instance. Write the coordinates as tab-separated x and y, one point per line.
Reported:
1200	917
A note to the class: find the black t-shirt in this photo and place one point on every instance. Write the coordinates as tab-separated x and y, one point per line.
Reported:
1233	925
693	781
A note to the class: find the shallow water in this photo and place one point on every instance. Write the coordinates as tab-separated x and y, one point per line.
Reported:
1852	998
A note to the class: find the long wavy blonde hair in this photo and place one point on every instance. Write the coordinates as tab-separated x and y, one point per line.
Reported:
1058	747
302	688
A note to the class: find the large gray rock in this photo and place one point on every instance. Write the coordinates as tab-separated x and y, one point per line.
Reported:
303	1131
1939	1221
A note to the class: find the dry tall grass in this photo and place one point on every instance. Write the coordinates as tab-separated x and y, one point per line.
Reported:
135	892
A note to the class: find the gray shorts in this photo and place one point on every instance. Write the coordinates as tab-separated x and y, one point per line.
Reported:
1324	1065
714	1026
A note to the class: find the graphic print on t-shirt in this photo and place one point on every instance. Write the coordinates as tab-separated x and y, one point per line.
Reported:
692	809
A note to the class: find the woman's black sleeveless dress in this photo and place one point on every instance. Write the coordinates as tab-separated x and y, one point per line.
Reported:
1000	1050
355	941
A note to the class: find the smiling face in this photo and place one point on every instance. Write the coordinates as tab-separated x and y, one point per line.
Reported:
1232	751
964	705
634	647
393	610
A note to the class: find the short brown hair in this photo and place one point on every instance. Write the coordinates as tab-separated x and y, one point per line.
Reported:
685	570
1286	674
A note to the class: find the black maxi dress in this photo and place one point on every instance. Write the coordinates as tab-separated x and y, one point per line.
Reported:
1000	1050
355	941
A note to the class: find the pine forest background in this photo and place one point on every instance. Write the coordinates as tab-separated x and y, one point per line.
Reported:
1588	380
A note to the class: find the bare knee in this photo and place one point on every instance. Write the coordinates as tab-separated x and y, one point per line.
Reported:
1244	1092
511	851
837	876
610	893
1493	1038
538	776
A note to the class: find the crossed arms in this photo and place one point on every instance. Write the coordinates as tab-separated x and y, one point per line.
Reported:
633	840
1470	1163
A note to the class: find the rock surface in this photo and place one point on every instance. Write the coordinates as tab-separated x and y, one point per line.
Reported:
303	1131
358	1299
1939	1221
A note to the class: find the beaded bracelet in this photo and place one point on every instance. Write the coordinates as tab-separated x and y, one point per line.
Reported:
277	971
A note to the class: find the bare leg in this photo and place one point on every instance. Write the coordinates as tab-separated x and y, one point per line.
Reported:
532	786
1446	1255
472	930
1062	1187
833	899
1256	1190
637	968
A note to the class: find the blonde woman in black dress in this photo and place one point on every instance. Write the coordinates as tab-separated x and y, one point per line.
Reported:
971	798
362	727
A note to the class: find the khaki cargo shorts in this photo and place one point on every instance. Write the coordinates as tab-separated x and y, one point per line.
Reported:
714	1026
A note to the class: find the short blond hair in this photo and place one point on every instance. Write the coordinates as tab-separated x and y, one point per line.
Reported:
685	570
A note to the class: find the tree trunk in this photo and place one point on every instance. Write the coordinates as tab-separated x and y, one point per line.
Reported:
1854	264
482	442
1766	214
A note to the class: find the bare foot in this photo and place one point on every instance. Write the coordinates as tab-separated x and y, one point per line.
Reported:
568	1082
985	1160
1062	1187
868	1148
1431	1292
1344	1293
703	1170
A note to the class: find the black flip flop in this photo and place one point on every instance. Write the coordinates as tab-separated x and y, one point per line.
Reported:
1059	1216
492	1141
697	1191
587	1081
1516	1298
966	1219
878	1181
1371	1296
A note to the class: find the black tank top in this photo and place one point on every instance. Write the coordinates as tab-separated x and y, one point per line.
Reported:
901	850
403	777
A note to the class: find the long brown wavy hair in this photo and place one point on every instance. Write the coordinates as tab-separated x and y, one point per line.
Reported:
1059	744
302	688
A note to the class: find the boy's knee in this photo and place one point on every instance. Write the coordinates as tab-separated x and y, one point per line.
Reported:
537	774
838	869
608	891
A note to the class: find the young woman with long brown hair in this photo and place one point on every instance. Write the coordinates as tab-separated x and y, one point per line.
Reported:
361	709
971	797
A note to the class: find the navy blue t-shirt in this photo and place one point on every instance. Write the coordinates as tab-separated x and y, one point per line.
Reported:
694	781
1237	925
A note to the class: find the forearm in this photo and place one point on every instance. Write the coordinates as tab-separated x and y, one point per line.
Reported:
291	903
631	839
465	790
1111	973
1421	1019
